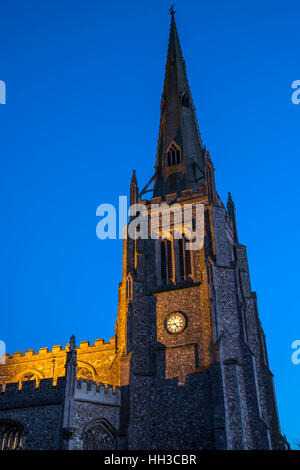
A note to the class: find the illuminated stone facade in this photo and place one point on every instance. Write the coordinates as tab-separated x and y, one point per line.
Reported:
95	362
206	385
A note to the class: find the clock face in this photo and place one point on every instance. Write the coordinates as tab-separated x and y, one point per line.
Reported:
175	323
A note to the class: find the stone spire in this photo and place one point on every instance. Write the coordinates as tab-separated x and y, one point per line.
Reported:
180	155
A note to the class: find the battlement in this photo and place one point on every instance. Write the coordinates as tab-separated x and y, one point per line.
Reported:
31	393
90	391
44	353
185	194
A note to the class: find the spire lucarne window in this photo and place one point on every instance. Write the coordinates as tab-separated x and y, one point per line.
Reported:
173	155
185	100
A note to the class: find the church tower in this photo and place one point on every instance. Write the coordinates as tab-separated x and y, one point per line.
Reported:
187	368
193	360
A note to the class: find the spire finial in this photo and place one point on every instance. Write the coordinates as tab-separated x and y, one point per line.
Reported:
133	179
172	11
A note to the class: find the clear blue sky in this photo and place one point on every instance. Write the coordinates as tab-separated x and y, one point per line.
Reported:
84	82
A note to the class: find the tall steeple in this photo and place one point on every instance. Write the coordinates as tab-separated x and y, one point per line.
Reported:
180	153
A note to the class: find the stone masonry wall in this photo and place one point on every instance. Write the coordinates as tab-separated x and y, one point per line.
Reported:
39	410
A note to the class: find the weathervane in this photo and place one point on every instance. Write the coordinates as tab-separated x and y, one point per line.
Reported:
172	11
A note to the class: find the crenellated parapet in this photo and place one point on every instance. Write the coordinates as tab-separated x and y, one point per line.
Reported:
100	393
31	393
95	362
83	348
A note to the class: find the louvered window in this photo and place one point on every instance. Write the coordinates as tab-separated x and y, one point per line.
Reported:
185	266
166	260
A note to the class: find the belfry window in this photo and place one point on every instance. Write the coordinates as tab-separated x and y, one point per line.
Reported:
166	261
175	261
163	262
11	435
185	100
170	260
173	156
185	267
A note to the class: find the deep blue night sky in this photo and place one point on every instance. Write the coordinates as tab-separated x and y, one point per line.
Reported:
84	82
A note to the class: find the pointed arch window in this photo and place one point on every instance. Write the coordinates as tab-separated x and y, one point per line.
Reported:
166	259
173	156
170	259
185	100
163	262
11	435
27	376
99	435
185	265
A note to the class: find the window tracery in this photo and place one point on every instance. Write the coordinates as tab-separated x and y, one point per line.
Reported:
100	435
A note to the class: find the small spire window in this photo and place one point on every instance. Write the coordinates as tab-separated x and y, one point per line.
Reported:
185	100
173	155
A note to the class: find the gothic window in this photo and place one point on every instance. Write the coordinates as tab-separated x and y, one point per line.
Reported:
99	435
173	156
28	376
185	267
181	258
170	261
163	262
11	435
166	260
185	100
84	373
188	264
